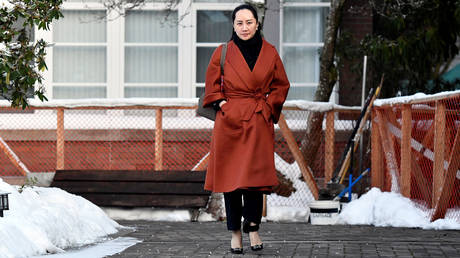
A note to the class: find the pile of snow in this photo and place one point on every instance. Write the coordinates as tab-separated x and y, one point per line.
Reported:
47	220
388	209
150	214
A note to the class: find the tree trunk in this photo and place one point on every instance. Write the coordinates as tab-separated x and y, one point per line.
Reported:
327	79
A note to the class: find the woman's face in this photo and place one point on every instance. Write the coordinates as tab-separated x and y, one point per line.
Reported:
245	25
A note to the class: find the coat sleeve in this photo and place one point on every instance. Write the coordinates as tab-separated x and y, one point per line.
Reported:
279	88
212	84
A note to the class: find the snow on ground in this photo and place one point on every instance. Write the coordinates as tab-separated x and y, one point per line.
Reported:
150	214
100	250
387	209
47	220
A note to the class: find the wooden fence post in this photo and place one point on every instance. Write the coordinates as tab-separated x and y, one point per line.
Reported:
294	148
329	147
389	152
448	182
377	166
60	140
439	142
159	139
406	150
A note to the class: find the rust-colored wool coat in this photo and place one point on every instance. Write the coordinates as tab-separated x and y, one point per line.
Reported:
242	144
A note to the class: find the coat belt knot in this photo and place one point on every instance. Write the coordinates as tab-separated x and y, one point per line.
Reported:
261	105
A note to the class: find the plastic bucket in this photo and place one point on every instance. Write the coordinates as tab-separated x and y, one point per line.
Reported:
324	212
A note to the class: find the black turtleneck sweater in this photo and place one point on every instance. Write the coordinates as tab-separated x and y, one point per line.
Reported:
249	48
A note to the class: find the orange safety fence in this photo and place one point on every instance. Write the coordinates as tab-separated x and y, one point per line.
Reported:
154	135
416	151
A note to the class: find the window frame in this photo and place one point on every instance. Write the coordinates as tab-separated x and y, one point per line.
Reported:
178	84
201	6
310	45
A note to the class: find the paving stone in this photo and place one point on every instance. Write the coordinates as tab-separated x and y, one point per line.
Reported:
211	239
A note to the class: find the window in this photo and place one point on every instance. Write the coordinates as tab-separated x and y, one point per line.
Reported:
80	55
143	54
151	54
214	27
302	39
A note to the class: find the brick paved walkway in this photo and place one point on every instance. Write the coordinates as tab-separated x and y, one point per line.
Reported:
211	239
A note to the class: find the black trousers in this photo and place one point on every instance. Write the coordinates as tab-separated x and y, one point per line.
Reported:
250	209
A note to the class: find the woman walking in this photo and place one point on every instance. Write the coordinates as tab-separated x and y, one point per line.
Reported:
241	163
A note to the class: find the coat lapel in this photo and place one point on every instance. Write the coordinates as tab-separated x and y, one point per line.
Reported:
264	63
262	66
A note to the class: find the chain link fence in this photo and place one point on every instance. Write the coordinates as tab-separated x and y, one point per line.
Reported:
154	136
416	151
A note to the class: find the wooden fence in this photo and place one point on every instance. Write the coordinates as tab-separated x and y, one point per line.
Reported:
416	150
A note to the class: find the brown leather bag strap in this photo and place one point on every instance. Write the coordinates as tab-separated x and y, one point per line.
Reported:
222	58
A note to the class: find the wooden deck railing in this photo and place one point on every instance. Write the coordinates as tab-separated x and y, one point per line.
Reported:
291	142
416	149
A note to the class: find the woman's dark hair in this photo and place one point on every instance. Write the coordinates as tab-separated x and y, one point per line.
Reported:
245	6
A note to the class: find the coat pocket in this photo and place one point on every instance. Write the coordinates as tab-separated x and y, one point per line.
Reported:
230	119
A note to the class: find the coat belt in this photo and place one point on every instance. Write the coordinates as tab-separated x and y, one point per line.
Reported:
261	104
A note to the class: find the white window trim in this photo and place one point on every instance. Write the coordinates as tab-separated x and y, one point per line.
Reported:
313	45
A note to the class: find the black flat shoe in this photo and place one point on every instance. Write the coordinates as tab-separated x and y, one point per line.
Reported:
237	250
257	247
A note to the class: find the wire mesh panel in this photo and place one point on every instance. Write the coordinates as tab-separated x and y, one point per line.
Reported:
28	137
297	121
142	137
419	146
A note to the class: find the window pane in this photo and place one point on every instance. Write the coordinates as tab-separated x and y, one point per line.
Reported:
203	55
79	64
150	92
151	26
80	26
304	24
151	64
75	92
301	63
214	26
199	91
303	93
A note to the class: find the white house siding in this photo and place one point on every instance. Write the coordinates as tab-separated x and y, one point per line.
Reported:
143	54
